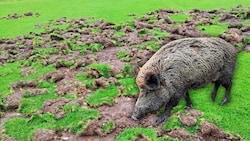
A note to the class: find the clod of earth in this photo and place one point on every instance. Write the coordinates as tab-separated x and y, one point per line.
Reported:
44	135
208	129
187	120
179	133
194	113
56	107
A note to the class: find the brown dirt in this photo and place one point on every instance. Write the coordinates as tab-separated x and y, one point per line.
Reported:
109	56
56	107
179	133
18	91
120	114
187	120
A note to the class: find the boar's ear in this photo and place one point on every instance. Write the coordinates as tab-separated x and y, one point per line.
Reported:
152	81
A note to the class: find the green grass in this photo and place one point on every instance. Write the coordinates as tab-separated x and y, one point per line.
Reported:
179	17
31	104
75	121
107	127
133	133
213	30
103	96
112	10
130	86
103	69
83	78
123	55
157	33
106	96
11	73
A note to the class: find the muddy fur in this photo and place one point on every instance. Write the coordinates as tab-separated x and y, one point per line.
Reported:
180	65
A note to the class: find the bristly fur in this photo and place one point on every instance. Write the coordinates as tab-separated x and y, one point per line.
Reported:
181	65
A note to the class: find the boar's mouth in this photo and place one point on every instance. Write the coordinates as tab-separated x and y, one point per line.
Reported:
138	114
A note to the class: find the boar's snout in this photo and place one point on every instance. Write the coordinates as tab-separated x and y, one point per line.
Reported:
134	117
137	114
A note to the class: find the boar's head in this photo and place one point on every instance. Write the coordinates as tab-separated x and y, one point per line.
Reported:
151	96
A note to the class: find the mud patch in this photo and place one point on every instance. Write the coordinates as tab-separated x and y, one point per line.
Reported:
109	56
187	120
44	135
120	114
56	107
179	133
19	89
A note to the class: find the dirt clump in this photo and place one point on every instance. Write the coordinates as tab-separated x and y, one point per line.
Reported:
7	138
103	82
227	17
109	56
187	120
44	135
247	48
232	35
27	71
179	133
56	106
13	101
28	14
194	113
212	132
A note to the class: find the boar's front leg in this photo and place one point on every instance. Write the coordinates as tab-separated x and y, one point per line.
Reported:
169	106
189	104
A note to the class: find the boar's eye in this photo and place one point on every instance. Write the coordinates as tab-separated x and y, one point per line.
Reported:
152	81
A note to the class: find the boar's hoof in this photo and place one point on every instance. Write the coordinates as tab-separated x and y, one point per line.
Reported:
224	101
187	107
161	119
134	118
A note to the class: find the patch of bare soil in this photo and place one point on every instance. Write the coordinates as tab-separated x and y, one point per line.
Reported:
56	106
120	114
50	135
109	56
17	16
179	133
187	120
19	89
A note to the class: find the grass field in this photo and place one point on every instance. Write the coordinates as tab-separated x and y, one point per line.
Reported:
232	118
111	10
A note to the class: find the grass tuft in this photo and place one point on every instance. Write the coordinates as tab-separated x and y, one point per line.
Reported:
133	133
103	96
75	121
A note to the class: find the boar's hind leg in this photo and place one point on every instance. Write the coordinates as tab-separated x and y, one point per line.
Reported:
227	86
214	93
189	104
169	106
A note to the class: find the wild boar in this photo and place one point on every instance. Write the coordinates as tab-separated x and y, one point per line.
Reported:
181	65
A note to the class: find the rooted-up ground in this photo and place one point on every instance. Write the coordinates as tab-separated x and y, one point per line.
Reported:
77	83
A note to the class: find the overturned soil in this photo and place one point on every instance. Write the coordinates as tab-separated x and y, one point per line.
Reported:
92	35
